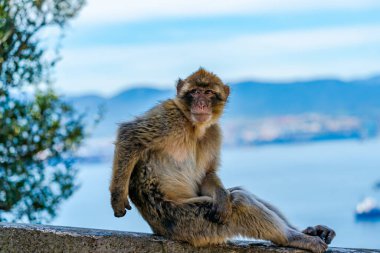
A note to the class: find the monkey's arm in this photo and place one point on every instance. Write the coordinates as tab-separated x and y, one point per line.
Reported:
127	154
123	165
133	140
213	187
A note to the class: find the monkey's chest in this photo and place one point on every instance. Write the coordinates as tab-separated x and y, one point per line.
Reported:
178	179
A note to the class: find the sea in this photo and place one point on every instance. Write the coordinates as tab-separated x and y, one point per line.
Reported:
311	183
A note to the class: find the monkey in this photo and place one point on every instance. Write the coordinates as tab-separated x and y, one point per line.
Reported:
166	161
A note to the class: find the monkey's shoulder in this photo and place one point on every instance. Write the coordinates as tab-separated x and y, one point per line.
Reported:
160	121
166	111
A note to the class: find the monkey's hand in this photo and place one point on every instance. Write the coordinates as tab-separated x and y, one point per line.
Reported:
119	204
222	207
323	232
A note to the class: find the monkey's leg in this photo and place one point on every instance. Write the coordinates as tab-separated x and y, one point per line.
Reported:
325	233
268	205
275	210
269	224
249	218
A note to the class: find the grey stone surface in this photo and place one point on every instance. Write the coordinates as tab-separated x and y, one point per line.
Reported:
41	238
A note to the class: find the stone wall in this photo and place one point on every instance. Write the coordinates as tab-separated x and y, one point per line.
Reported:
41	238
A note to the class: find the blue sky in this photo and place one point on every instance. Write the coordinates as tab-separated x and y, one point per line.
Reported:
117	44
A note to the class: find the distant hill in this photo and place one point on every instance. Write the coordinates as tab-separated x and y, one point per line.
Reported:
331	97
251	100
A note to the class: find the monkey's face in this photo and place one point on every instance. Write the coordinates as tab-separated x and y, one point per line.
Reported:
201	100
204	95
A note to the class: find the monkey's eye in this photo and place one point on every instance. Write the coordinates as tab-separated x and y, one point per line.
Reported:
209	92
194	91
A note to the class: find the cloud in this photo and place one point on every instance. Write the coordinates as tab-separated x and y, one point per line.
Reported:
113	11
341	52
310	40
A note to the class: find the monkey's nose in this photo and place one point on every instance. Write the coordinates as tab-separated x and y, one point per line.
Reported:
202	105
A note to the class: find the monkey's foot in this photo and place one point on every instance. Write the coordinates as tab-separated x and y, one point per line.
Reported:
317	245
323	232
311	243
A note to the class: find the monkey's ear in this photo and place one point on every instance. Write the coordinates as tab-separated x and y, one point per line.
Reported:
226	90
179	85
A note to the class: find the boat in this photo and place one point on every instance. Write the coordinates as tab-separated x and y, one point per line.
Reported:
368	209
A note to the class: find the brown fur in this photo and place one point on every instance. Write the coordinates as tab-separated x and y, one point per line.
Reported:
167	163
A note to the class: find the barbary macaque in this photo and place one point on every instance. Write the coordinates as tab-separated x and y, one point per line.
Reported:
166	161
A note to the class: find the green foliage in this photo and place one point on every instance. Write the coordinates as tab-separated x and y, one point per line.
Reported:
39	132
37	141
22	58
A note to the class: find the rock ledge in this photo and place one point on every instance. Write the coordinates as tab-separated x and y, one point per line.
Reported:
42	238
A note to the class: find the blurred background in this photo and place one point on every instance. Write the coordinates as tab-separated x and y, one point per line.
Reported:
301	128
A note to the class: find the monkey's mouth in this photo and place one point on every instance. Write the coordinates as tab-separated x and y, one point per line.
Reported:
201	117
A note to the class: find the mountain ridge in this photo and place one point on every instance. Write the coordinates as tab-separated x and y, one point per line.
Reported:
252	100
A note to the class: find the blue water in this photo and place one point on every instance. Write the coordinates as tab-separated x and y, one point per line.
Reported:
318	183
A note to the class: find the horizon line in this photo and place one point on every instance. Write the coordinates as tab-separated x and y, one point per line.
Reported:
280	81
